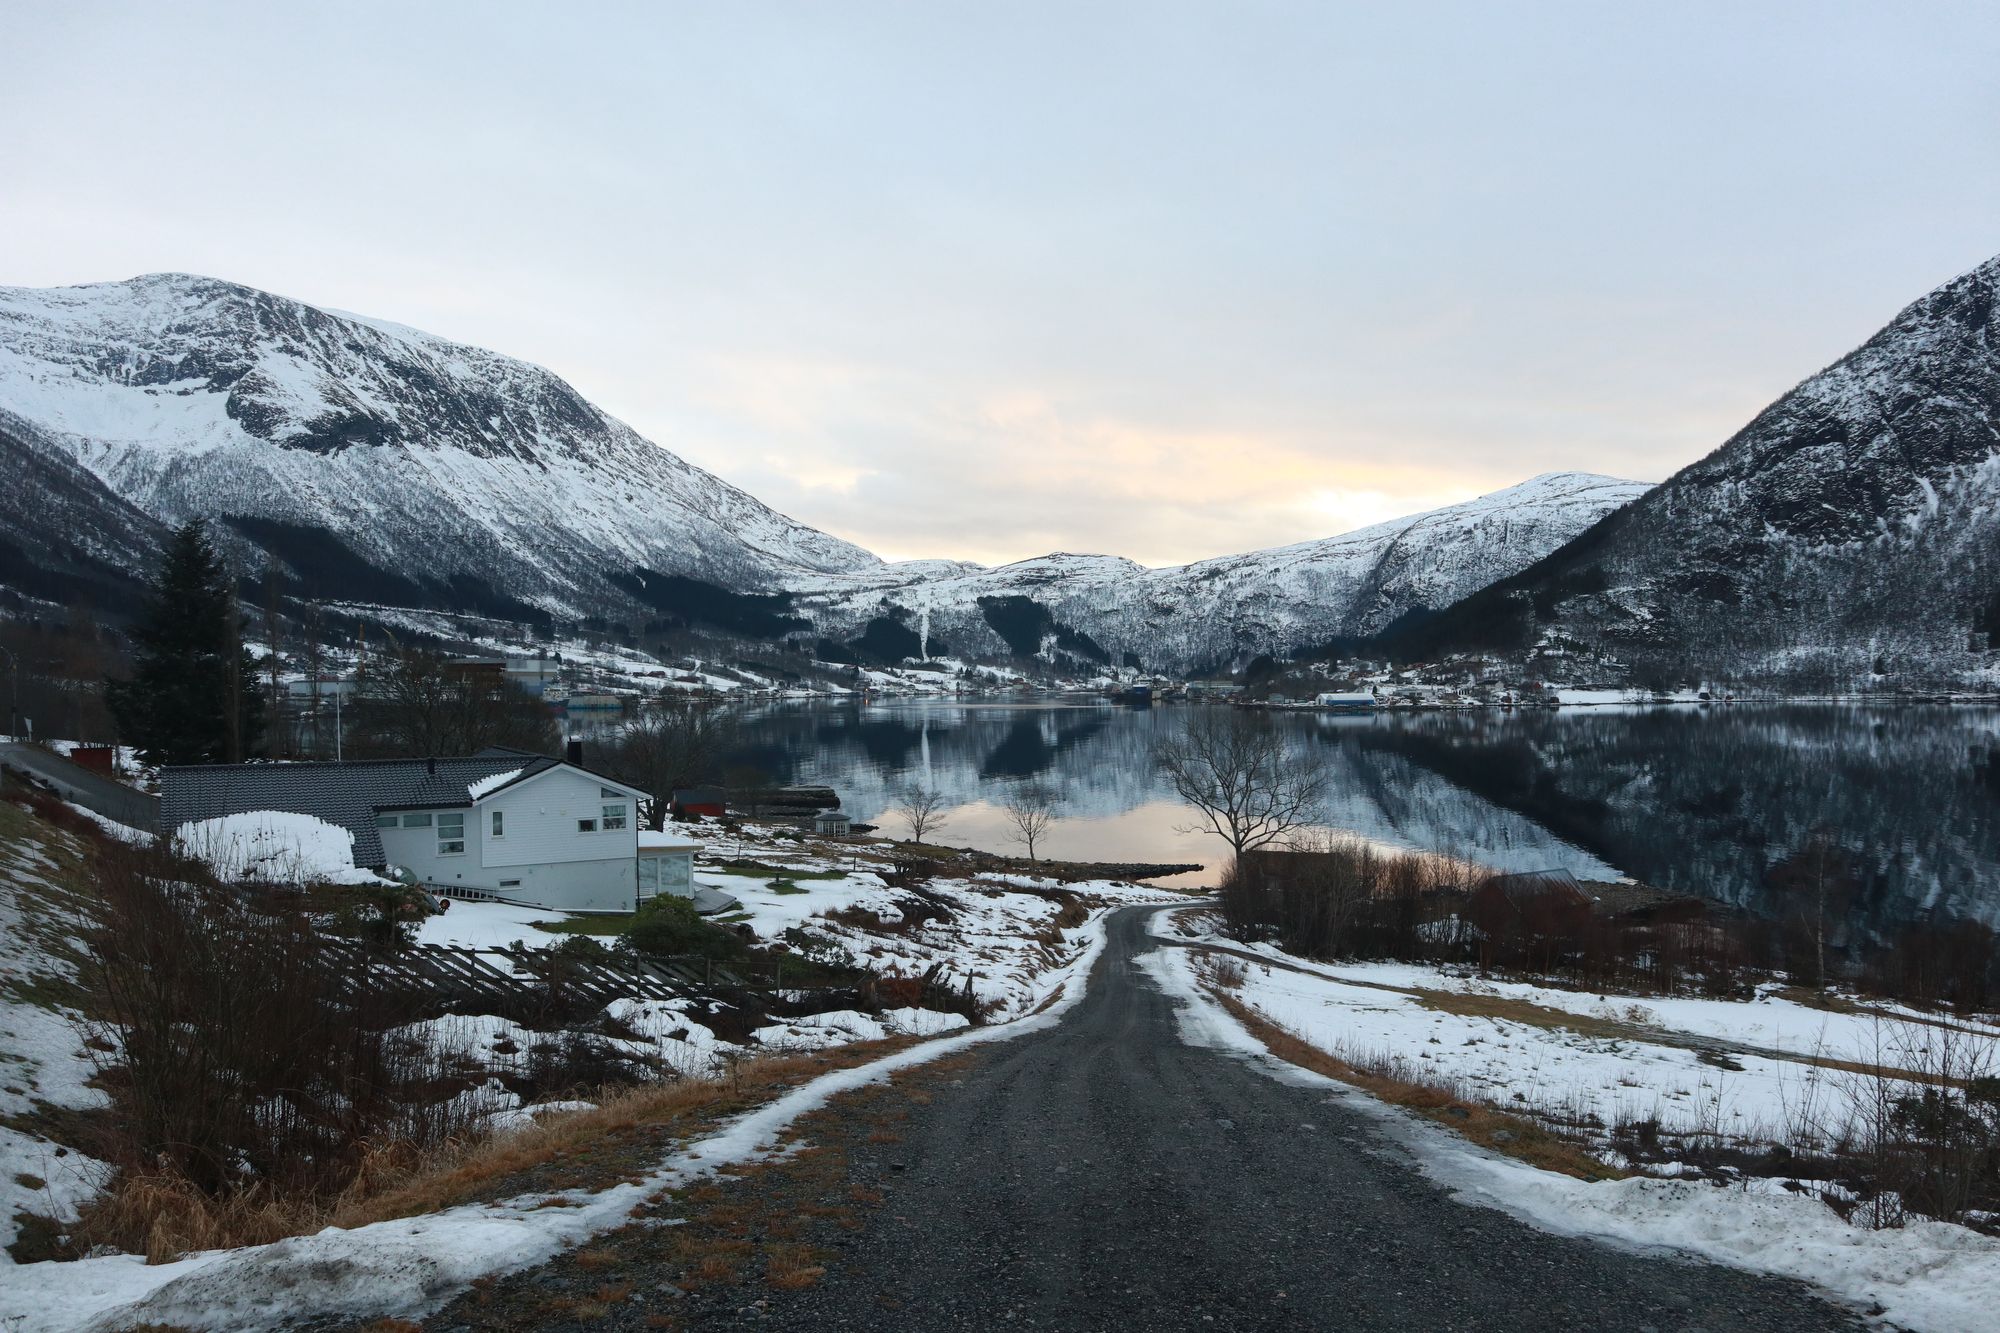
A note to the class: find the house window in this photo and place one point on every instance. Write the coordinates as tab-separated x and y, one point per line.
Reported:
499	823
417	821
586	826
451	834
385	821
614	816
608	794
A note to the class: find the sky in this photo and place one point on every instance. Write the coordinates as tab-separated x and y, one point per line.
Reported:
985	281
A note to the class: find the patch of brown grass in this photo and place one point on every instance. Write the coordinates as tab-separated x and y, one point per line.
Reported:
1515	1136
595	1258
792	1267
164	1216
482	1168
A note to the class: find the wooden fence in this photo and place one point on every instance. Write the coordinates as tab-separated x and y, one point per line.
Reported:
509	978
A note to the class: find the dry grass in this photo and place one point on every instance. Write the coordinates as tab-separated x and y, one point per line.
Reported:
164	1217
792	1267
1516	1136
472	1173
1228	973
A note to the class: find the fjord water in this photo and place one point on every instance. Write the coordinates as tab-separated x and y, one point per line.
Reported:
1702	800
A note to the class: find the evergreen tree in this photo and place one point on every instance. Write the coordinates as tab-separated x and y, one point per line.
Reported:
193	697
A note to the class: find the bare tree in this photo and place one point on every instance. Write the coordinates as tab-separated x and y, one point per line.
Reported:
425	704
1818	878
676	742
1245	783
922	810
1031	808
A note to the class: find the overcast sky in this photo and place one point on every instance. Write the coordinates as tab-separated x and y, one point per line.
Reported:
992	280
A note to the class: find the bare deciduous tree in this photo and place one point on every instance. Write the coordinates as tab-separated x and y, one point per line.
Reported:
1245	783
1818	878
425	704
1031	808
921	808
676	742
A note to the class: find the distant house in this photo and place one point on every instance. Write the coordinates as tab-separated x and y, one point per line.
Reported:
1339	702
832	824
533	674
695	802
501	824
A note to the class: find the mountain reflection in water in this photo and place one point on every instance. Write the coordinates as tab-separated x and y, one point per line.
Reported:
1701	800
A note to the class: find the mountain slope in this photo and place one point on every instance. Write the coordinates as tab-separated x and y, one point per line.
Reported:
380	464
1854	524
1222	611
427	459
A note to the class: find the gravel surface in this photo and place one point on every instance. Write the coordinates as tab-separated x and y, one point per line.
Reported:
1105	1176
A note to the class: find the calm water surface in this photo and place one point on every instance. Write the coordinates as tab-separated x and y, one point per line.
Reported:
1702	800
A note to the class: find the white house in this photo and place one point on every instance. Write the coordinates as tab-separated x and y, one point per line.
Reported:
501	824
1352	702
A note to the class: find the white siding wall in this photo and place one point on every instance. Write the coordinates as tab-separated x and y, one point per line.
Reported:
415	849
541	816
540	858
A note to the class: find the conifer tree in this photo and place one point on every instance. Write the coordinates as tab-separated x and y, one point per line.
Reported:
187	701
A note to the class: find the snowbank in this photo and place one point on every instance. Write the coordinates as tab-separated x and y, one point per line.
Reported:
1928	1276
275	846
413	1265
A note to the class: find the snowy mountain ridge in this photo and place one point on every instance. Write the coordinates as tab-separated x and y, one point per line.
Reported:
1850	532
189	396
380	463
1215	612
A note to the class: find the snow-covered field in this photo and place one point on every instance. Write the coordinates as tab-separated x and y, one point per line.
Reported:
412	1265
42	1058
1766	1077
1928	1276
991	930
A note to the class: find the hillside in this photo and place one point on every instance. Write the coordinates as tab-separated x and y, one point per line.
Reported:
373	463
1851	530
376	462
1217	612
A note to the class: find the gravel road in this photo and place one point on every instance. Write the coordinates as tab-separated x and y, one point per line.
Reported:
1103	1175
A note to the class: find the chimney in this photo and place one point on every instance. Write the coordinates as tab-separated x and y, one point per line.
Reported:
431	764
575	753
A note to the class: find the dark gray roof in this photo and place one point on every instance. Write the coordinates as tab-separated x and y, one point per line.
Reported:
344	794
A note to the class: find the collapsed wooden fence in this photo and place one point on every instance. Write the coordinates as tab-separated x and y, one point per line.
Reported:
509	977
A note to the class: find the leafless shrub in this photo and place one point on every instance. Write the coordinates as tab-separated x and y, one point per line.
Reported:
1031	808
1925	1123
238	1049
922	810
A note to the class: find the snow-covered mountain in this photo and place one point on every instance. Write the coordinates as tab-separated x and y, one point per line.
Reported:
378	463
436	463
1222	611
1853	526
